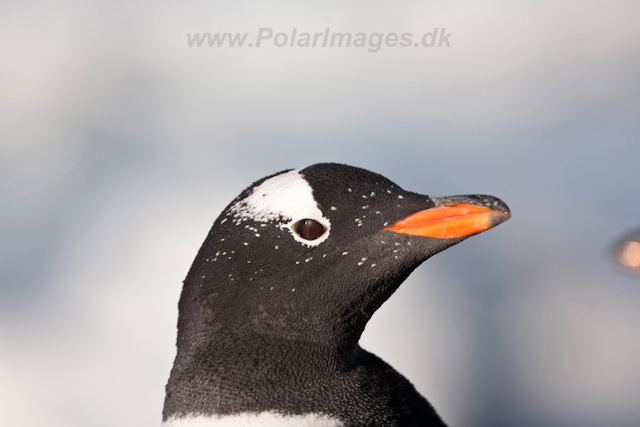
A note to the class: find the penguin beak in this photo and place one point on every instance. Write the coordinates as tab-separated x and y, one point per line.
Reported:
453	217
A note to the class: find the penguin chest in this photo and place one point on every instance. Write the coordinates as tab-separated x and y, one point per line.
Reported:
249	419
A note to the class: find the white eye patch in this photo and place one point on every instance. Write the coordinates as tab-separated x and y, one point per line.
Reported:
288	196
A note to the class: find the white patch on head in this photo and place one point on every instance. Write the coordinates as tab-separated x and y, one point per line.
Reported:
248	419
288	196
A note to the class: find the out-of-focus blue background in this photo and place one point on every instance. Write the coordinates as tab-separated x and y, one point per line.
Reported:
119	145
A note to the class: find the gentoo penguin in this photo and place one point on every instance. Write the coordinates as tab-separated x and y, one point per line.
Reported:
276	300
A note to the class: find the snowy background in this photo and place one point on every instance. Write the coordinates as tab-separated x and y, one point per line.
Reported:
119	145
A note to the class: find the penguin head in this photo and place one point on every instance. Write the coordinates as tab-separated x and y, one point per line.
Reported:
310	254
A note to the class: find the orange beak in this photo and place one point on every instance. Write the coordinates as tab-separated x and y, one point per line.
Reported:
451	220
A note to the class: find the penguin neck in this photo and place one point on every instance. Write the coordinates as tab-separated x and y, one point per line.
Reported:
249	314
233	348
231	344
215	336
244	362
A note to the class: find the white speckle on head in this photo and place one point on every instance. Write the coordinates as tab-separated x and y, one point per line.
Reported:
222	240
389	191
373	265
257	235
345	253
223	221
400	197
365	206
372	194
276	246
333	208
364	197
249	419
385	224
287	197
349	190
364	259
245	243
397	244
360	262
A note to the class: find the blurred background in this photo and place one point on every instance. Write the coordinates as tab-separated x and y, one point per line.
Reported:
119	146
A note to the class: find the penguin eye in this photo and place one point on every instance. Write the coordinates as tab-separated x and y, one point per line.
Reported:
309	229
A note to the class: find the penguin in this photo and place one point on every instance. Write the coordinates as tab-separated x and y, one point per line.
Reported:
279	294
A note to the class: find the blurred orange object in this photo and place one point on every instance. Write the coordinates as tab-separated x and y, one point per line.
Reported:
627	253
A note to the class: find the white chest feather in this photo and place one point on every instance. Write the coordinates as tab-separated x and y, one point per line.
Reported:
248	419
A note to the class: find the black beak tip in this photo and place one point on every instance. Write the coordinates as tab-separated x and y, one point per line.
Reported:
501	211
